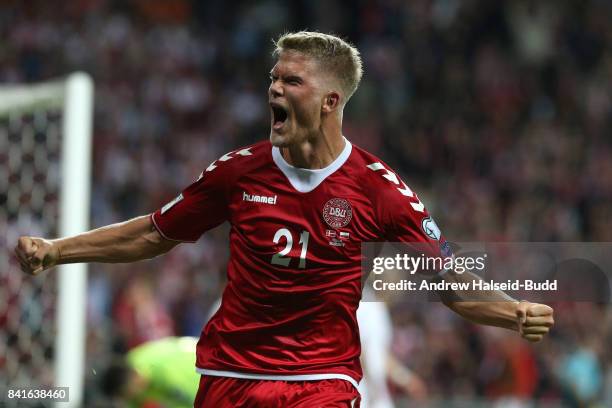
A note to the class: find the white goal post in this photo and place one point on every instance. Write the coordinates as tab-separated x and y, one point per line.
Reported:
72	99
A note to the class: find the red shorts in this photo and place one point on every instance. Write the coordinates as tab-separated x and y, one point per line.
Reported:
226	392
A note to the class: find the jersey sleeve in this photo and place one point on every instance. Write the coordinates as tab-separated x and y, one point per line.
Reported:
404	219
402	223
200	207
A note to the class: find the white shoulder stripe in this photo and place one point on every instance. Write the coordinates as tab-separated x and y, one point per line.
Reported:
376	166
403	189
228	156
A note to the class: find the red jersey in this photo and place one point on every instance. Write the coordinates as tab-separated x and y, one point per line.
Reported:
288	311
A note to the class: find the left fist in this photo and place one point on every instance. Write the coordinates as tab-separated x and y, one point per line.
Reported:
534	320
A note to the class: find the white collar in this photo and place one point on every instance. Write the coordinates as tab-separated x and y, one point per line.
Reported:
306	180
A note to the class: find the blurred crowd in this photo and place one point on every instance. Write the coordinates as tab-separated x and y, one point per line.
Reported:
497	113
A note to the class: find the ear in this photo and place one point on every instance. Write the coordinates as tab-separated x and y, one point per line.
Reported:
331	102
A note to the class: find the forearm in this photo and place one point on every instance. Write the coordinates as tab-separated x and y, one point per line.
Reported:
490	307
127	241
399	374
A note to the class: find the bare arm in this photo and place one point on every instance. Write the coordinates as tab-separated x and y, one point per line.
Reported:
128	241
490	307
496	308
404	378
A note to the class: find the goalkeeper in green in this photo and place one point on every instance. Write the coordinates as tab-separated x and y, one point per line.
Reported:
155	374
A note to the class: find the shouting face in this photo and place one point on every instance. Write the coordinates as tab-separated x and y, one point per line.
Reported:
296	95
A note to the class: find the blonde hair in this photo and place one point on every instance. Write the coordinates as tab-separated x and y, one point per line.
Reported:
332	53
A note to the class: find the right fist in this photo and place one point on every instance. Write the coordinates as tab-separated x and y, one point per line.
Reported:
36	254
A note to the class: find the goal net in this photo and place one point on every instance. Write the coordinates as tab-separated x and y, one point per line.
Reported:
45	144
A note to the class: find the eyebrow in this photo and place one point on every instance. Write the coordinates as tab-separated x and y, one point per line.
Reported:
296	78
293	78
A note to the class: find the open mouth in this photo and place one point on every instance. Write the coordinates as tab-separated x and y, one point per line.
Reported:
279	116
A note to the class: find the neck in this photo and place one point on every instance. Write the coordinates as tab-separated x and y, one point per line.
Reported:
318	150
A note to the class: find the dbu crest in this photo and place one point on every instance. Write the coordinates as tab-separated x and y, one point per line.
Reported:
337	212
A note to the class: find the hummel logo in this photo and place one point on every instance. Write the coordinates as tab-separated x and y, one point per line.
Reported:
258	199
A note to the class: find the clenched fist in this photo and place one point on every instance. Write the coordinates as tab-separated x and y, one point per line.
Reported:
534	320
36	254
